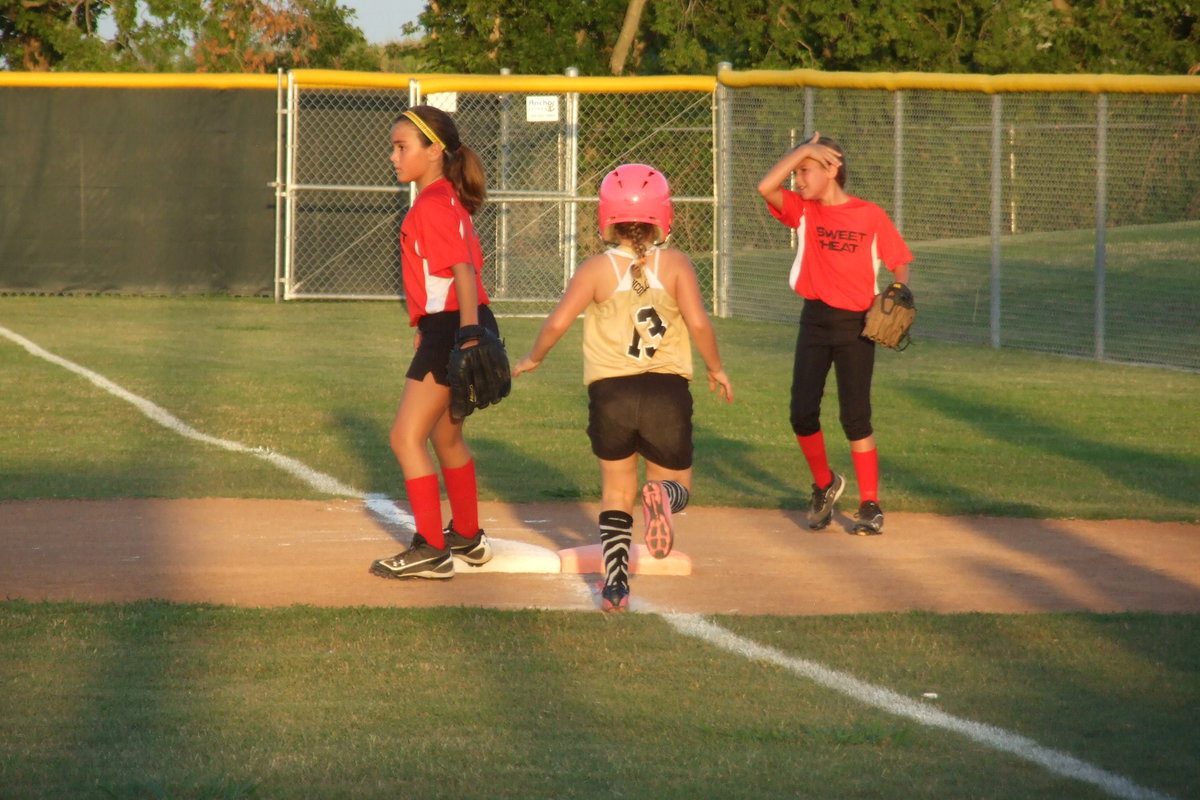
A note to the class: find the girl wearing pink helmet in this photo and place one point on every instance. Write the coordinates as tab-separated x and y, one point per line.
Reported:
642	309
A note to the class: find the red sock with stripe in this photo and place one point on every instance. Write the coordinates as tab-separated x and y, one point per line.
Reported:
813	447
866	469
426	503
463	494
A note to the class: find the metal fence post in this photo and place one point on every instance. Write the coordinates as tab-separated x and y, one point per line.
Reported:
898	162
723	197
289	220
1101	217
997	216
281	114
414	99
571	251
502	221
810	111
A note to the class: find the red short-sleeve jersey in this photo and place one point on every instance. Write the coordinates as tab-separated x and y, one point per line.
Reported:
436	234
840	249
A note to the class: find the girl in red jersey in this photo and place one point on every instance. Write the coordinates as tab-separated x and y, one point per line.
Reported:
441	263
842	241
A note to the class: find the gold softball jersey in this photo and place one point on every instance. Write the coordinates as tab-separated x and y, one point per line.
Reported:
638	329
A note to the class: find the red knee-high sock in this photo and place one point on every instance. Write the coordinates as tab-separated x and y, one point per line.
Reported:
813	447
464	497
866	469
426	503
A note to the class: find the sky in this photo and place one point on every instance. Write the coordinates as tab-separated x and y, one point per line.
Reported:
381	20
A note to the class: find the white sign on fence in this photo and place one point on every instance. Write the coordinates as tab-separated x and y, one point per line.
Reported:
541	108
446	101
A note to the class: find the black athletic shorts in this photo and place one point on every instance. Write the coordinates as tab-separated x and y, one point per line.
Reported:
648	414
437	340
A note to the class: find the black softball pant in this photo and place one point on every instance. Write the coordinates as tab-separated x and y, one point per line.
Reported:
832	337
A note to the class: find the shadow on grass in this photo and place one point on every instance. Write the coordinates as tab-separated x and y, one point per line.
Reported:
1149	472
1040	541
368	437
492	455
738	466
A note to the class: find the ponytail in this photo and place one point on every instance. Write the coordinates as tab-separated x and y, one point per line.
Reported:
640	235
464	169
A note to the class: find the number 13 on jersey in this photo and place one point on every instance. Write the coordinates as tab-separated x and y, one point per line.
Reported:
648	330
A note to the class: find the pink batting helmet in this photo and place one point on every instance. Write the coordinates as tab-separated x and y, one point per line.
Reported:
635	193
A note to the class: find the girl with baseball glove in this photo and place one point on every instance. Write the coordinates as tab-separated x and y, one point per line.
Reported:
842	242
441	263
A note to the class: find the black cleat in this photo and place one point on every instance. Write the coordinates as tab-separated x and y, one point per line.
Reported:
420	560
869	519
474	551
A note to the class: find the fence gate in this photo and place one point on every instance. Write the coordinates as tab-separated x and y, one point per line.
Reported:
545	143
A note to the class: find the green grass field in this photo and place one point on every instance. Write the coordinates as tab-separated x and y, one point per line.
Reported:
157	701
962	429
1047	294
154	700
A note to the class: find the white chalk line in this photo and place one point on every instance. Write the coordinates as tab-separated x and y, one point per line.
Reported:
317	480
691	625
1068	766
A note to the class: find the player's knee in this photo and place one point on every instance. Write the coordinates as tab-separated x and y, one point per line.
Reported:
806	424
448	442
857	428
404	440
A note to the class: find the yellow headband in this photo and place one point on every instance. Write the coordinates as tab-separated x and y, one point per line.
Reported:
423	128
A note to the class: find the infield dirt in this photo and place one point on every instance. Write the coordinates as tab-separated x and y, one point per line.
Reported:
273	553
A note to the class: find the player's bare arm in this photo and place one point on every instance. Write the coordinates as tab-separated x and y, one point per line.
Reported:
467	293
682	283
771	185
580	292
468	297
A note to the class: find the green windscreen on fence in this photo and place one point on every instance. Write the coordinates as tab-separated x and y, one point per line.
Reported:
162	191
1050	213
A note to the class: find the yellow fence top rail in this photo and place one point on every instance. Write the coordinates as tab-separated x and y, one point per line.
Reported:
438	82
988	84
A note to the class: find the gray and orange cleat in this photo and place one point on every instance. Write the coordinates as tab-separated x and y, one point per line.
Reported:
660	536
614	597
820	508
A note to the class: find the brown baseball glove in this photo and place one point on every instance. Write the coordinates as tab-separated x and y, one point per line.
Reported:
890	317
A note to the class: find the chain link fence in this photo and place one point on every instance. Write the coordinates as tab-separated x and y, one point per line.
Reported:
1061	222
544	154
1047	218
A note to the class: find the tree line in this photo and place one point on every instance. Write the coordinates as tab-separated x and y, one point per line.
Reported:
180	35
610	37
